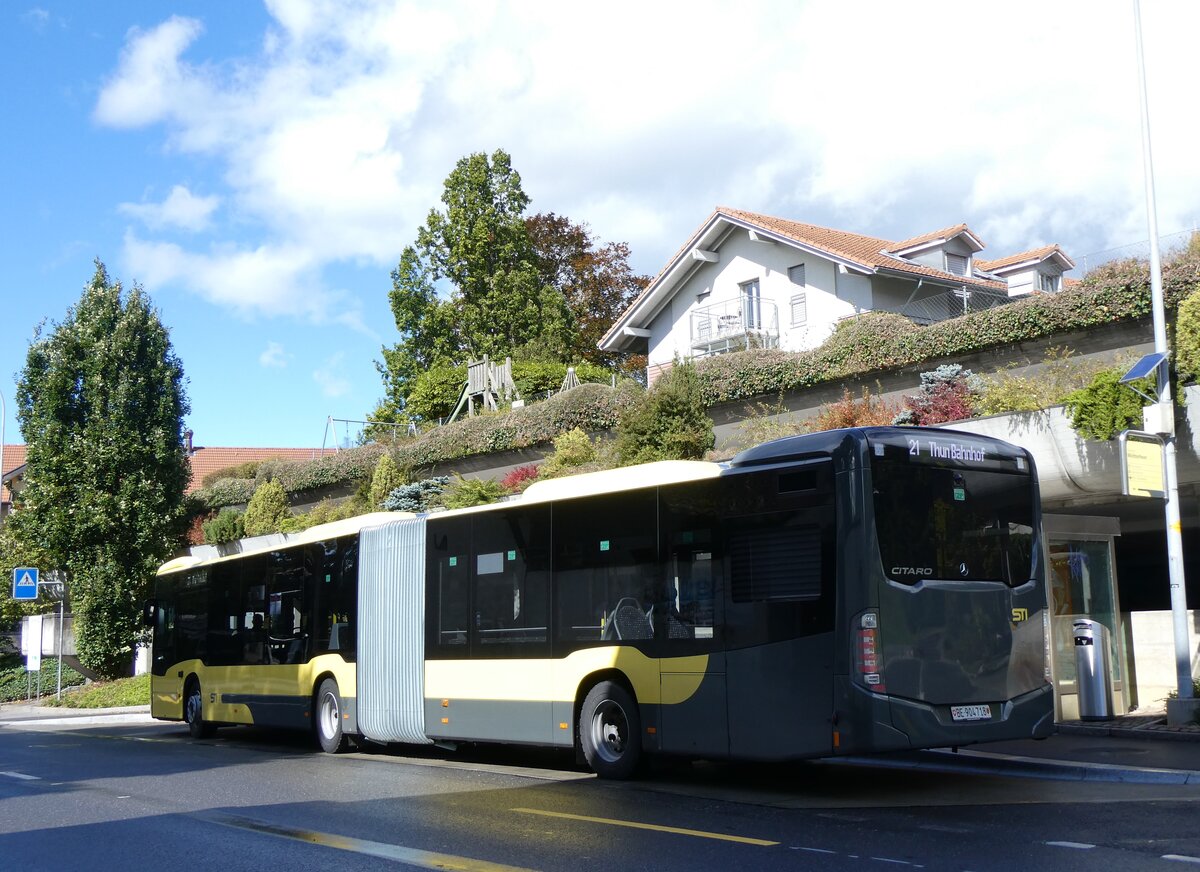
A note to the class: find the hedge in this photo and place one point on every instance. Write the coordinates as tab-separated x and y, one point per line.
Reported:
590	407
878	341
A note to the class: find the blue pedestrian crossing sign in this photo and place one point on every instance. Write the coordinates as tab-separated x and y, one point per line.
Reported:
25	583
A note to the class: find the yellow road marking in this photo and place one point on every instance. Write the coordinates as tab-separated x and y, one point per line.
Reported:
411	856
679	831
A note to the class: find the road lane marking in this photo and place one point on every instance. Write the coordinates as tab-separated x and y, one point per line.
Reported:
400	853
20	776
1083	846
1182	858
637	825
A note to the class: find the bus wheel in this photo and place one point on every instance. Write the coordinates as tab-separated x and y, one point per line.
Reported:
610	731
193	712
329	718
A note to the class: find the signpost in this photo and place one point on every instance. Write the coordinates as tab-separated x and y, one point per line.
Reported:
25	583
1143	472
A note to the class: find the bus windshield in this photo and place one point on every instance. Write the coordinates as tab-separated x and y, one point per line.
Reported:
952	523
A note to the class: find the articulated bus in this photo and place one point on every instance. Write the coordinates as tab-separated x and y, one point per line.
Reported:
852	591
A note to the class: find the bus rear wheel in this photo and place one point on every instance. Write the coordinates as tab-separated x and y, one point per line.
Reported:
329	718
610	731
193	712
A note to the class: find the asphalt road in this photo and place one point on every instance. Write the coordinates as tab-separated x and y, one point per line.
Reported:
144	796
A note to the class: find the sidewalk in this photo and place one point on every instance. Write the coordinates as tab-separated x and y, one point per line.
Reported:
12	713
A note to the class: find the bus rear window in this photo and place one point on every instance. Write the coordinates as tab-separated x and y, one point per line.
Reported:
952	523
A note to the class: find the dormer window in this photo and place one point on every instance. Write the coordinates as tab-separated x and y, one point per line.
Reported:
1048	283
956	264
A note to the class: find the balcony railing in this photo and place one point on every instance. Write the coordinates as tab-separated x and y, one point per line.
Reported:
734	325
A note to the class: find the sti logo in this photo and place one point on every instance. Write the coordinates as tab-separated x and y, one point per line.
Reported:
1019	615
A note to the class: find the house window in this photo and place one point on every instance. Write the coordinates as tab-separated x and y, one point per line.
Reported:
751	305
1049	283
796	275
799	309
956	264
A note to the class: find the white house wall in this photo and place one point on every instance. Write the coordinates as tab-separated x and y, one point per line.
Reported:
742	260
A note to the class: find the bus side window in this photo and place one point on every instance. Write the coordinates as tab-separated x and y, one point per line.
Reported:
448	595
337	597
687	606
605	569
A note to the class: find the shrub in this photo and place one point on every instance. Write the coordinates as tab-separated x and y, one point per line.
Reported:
466	492
326	512
227	526
416	497
1060	374
947	394
851	412
226	492
1106	407
763	422
237	470
669	423
267	510
15	681
1187	337
386	478
572	450
519	478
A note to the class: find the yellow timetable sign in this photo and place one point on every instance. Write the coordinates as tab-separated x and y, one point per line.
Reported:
1142	468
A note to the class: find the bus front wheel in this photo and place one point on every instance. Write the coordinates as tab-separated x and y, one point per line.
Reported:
329	718
610	731
193	712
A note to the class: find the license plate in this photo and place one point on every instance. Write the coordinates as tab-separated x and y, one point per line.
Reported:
971	712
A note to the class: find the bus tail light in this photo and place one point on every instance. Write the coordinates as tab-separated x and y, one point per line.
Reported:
868	653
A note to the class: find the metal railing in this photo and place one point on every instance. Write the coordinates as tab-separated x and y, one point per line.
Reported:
953	304
733	325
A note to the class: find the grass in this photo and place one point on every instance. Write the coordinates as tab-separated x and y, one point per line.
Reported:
107	694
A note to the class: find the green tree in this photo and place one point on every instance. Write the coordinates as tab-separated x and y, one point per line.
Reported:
479	246
385	479
1106	407
267	510
100	404
228	526
669	422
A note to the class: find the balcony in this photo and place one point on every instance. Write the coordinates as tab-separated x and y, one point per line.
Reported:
734	325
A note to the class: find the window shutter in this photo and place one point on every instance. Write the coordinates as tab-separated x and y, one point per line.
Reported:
956	264
796	275
799	309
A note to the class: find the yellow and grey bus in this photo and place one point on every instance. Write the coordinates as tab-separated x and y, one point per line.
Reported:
851	591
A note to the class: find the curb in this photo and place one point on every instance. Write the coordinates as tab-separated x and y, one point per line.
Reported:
1156	731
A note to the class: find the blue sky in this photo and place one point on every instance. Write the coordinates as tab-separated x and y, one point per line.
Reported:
258	168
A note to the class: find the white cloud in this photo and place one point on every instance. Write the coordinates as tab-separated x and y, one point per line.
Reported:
181	209
331	377
880	117
274	356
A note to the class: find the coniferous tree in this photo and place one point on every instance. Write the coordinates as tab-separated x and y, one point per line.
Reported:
100	404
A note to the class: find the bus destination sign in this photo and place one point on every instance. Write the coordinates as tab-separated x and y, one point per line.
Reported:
953	449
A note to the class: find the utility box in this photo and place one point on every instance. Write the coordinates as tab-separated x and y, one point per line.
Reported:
1093	670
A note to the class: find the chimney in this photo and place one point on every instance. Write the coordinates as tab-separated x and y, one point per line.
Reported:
187	442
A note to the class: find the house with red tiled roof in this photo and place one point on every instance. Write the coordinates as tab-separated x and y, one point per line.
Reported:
13	461
745	280
1038	270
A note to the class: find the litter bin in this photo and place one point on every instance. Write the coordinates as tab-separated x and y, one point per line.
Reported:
1092	672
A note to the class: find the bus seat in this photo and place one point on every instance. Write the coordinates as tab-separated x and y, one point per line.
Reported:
629	621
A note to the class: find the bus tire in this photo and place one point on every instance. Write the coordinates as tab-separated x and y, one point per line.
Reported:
193	712
610	731
328	721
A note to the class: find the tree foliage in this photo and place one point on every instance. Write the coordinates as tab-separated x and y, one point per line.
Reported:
100	404
479	246
228	526
669	422
947	393
595	280
385	479
267	510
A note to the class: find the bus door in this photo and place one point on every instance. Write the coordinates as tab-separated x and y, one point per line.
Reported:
694	718
779	532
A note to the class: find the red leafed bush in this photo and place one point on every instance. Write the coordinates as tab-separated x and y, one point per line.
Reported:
519	478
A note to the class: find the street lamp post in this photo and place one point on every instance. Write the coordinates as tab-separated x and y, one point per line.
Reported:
1183	709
